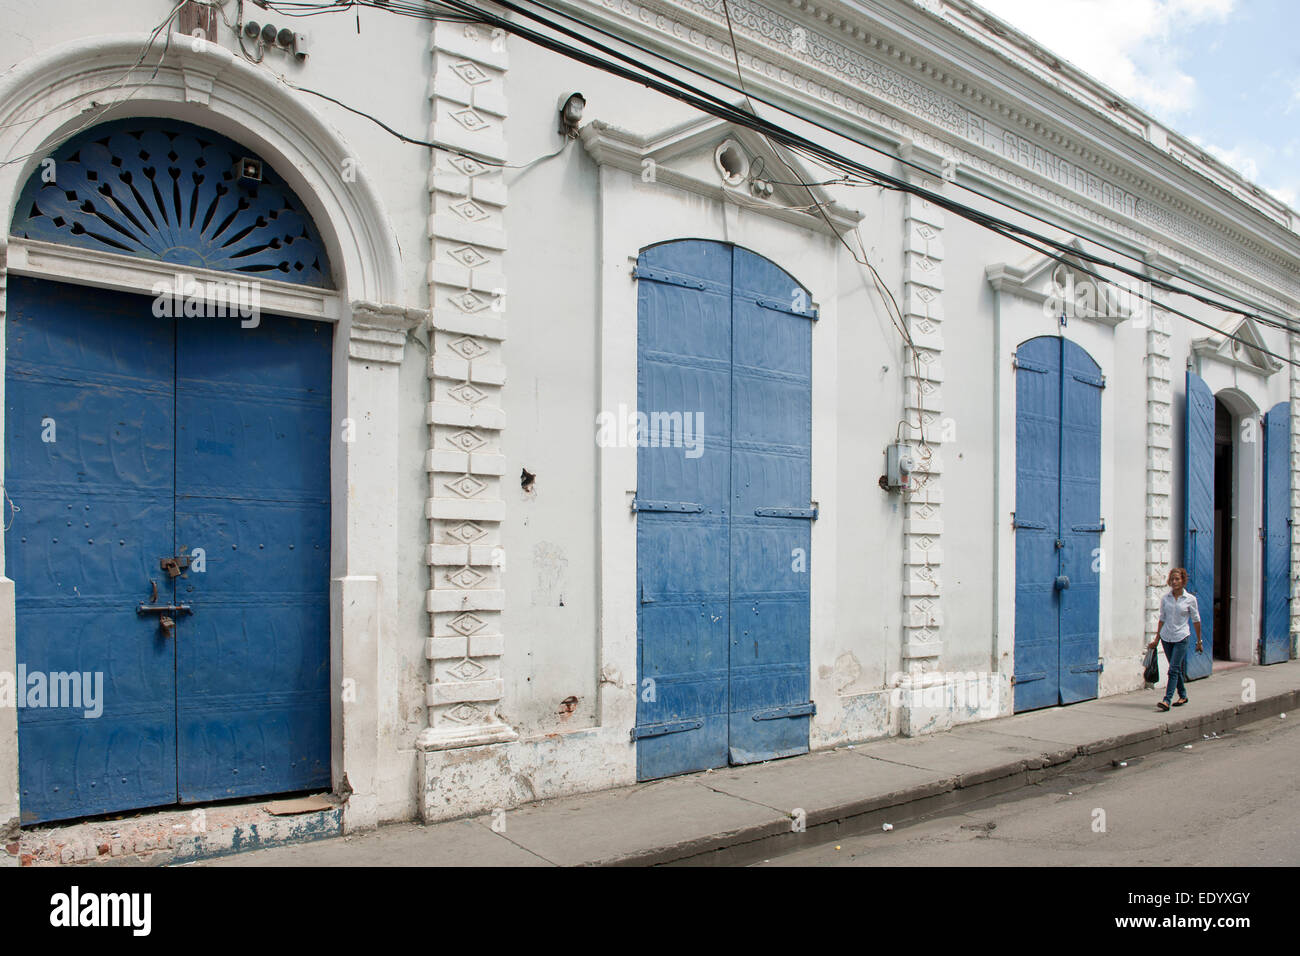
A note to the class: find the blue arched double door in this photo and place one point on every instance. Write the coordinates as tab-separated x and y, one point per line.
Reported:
723	527
167	486
1057	523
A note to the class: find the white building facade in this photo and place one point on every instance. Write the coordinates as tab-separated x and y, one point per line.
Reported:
524	598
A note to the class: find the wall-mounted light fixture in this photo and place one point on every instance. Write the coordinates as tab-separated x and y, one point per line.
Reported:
571	107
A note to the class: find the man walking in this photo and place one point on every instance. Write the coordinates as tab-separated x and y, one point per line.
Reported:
1178	609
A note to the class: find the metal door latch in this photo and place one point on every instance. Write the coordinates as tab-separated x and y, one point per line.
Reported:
165	611
175	565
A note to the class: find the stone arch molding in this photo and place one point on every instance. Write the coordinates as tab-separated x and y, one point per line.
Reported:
53	95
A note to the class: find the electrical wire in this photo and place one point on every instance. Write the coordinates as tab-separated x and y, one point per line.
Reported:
707	103
116	84
476	14
1149	266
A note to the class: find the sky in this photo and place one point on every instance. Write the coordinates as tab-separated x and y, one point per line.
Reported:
1223	73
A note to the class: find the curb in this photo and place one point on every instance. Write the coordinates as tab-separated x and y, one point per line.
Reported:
754	844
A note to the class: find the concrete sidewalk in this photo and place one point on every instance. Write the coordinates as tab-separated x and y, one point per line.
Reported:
740	815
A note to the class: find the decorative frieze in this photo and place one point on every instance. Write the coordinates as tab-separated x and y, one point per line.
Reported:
464	463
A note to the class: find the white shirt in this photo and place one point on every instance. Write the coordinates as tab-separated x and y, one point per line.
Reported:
1177	615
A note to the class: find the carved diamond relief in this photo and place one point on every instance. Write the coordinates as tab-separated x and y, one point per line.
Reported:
469	348
466	577
469	210
467	670
464	713
466	532
467	440
925	295
467	624
470	73
467	486
468	302
470	119
469	257
467	394
470	167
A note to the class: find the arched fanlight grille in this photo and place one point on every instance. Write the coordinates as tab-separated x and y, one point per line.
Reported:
169	191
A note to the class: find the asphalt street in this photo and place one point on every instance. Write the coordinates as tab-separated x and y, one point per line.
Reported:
1230	800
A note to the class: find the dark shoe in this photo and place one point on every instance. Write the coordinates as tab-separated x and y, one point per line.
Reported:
1180	701
1161	705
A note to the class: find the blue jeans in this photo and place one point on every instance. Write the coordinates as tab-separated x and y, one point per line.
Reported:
1176	654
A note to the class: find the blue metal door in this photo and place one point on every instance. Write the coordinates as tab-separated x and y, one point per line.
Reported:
252	490
1275	647
1198	517
1057	523
131	439
724	347
89	462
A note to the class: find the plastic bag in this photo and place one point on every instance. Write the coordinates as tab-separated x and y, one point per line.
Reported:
1151	667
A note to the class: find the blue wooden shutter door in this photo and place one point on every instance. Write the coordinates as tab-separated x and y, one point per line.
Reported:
683	556
1276	644
771	483
1038	503
94	513
1080	533
722	538
1198	518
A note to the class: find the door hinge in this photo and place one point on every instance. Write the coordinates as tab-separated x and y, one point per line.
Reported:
786	513
667	278
793	710
660	730
681	507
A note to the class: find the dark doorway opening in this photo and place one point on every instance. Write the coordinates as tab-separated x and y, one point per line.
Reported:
1223	469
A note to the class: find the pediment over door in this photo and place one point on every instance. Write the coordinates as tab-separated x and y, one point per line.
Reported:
714	158
1237	343
1065	286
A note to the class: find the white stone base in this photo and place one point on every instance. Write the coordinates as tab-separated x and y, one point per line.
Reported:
931	703
465	781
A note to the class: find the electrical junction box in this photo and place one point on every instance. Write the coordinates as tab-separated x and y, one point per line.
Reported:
899	459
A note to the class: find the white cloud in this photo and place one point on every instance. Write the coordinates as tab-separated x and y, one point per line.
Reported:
1130	45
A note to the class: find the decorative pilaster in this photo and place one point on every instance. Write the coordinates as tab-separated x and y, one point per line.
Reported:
923	404
1295	491
1160	458
467	295
376	344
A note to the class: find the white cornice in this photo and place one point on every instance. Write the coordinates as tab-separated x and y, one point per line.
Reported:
900	76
